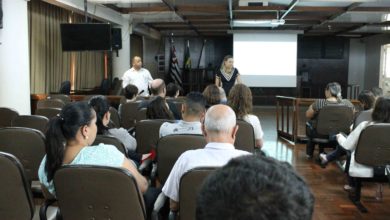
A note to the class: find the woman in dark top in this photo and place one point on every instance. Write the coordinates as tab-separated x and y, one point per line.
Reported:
227	75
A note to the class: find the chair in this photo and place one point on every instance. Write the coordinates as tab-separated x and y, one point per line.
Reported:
363	116
190	184
48	112
245	137
115	117
141	115
6	116
31	121
169	149
147	134
50	103
26	144
128	114
108	139
65	88
16	201
331	120
65	98
373	149
80	194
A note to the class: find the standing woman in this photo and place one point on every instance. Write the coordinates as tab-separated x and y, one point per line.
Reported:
227	75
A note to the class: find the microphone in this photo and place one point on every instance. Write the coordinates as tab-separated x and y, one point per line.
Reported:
141	92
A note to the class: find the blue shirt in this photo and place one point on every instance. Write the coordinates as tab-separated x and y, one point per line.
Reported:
103	155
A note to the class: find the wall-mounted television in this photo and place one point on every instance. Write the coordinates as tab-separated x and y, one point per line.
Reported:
85	36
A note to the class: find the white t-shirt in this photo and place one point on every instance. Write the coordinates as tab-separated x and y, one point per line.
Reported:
140	78
180	127
213	154
255	122
350	143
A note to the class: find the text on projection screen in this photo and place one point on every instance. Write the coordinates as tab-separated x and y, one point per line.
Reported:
266	59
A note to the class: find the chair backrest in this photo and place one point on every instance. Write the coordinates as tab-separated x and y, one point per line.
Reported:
16	198
363	116
115	117
190	183
373	148
245	137
65	98
141	115
6	116
128	114
333	119
108	139
98	192
169	149
147	133
48	112
50	103
38	122
65	87
26	144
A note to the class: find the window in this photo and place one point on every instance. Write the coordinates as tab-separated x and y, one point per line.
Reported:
386	61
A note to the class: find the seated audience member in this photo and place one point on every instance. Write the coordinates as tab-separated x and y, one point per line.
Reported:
68	141
377	91
101	107
131	92
380	114
173	90
212	95
240	100
367	100
158	109
332	97
254	188
158	88
192	111
219	128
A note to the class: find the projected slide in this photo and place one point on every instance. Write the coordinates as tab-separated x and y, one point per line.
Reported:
266	59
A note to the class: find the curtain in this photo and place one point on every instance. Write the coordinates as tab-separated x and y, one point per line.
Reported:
49	66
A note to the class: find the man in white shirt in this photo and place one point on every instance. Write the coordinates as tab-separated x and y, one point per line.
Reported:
219	129
192	111
138	76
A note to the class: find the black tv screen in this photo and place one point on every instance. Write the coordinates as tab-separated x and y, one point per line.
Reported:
85	36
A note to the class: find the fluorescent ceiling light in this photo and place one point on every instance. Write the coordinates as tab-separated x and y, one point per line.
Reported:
258	23
124	1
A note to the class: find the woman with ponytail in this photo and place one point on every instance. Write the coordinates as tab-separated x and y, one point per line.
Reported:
332	97
68	141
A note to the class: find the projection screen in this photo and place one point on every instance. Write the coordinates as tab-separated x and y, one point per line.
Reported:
266	59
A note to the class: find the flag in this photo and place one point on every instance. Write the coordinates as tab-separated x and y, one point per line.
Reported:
187	58
174	70
187	64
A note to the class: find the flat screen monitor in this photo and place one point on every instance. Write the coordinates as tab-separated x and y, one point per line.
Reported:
85	36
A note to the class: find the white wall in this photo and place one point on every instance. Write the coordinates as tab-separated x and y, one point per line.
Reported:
357	62
14	57
122	62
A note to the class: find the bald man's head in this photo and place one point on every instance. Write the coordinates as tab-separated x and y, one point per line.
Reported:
157	87
137	62
220	118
